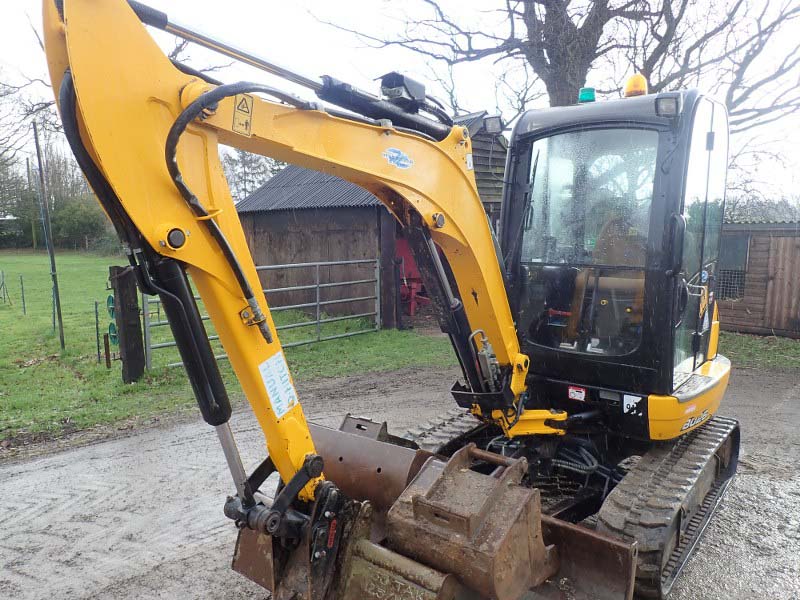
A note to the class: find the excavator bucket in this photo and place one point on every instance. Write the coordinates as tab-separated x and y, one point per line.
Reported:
366	571
422	527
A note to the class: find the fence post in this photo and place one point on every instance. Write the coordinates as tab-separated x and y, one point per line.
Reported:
319	326
146	328
126	315
107	350
4	288
377	295
22	290
97	329
53	298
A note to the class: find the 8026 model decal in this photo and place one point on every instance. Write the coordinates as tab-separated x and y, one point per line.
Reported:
695	420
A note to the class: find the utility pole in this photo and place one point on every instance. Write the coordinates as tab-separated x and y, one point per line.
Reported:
30	189
48	234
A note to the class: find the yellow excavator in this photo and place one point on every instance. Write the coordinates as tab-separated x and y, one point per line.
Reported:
584	456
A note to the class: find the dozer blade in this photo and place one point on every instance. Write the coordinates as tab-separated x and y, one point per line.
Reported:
592	566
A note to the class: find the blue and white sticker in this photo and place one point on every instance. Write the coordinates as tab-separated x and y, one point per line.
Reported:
704	276
398	158
278	383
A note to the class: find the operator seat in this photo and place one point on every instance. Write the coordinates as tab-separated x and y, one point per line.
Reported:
618	244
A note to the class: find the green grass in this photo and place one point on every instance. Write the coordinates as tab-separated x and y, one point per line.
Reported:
45	391
760	352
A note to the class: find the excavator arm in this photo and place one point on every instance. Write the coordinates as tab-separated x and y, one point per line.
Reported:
146	132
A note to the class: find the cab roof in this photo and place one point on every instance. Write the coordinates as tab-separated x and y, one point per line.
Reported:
638	109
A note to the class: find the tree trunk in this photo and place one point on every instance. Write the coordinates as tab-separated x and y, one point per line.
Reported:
561	92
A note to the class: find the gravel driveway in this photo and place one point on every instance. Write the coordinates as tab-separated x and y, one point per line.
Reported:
140	517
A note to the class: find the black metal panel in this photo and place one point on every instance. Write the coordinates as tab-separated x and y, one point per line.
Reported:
640	109
623	412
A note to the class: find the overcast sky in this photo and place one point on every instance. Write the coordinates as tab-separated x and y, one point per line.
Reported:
290	33
287	32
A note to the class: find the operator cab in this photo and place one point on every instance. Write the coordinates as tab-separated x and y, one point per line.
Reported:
610	234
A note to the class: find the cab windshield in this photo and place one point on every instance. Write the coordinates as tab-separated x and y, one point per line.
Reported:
584	239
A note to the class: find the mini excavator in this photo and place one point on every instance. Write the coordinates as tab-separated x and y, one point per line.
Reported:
583	457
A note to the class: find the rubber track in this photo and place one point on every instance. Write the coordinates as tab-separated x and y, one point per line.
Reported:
643	506
435	434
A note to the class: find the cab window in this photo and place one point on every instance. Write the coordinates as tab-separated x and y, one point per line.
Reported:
584	239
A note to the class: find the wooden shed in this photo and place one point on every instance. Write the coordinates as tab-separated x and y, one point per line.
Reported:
758	286
303	216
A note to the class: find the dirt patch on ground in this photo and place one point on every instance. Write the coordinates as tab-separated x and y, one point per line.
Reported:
326	391
141	516
26	446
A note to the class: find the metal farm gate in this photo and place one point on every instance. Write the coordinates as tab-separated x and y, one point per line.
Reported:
351	299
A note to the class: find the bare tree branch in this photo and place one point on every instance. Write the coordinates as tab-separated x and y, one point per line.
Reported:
674	43
448	84
35	32
517	93
179	53
726	47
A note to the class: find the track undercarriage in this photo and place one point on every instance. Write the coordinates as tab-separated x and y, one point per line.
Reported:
660	495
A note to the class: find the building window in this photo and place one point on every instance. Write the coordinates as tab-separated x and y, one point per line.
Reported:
730	284
734	253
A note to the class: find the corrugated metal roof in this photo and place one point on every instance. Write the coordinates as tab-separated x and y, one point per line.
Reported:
472	121
760	221
298	188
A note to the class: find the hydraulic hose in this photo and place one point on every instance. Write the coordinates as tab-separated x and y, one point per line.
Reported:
210	100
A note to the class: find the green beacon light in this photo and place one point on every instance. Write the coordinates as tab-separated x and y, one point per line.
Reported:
586	95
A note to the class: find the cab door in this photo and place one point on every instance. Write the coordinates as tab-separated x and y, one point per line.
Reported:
702	212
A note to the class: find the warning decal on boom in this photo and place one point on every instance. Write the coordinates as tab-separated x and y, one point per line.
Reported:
243	114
